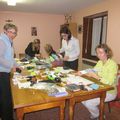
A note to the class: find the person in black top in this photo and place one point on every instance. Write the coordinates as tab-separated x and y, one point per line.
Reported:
33	49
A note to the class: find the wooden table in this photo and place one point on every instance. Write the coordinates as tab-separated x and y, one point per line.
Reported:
86	95
29	100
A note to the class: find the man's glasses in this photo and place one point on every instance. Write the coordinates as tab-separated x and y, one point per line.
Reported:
15	33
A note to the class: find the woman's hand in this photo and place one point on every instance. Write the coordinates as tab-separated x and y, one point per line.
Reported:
66	58
93	75
78	73
38	56
60	56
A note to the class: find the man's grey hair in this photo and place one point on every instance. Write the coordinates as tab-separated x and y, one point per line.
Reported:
9	26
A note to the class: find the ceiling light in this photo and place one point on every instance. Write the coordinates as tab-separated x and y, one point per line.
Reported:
11	2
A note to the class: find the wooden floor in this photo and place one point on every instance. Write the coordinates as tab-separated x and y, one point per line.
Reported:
81	113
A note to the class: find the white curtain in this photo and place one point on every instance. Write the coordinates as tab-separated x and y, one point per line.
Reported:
104	32
96	32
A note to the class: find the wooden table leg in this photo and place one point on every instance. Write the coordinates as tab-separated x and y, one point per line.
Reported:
62	108
21	111
71	108
20	114
102	99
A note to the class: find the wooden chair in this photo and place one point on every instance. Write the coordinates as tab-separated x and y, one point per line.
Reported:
117	99
14	55
21	55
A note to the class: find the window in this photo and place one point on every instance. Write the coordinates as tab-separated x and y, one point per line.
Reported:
94	33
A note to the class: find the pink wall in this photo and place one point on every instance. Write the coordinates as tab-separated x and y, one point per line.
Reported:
48	26
113	33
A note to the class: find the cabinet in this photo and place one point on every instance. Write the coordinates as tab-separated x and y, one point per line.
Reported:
72	27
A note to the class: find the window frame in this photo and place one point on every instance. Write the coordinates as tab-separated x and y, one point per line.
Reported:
87	34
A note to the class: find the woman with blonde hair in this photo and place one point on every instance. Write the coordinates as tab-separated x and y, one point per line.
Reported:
105	71
54	58
33	49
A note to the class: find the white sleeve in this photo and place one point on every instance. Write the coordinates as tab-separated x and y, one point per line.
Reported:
77	49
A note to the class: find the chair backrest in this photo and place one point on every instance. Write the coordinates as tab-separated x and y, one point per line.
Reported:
115	101
21	55
118	75
118	89
118	66
118	79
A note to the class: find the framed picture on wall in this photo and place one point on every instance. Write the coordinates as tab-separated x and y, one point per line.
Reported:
80	28
33	31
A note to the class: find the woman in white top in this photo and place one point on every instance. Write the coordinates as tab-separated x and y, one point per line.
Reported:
71	48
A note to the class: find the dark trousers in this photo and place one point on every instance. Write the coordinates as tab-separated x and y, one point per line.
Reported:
72	64
6	106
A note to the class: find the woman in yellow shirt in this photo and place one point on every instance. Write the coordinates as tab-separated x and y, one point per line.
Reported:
106	71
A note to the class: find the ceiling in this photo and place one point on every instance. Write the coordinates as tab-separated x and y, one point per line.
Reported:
48	6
